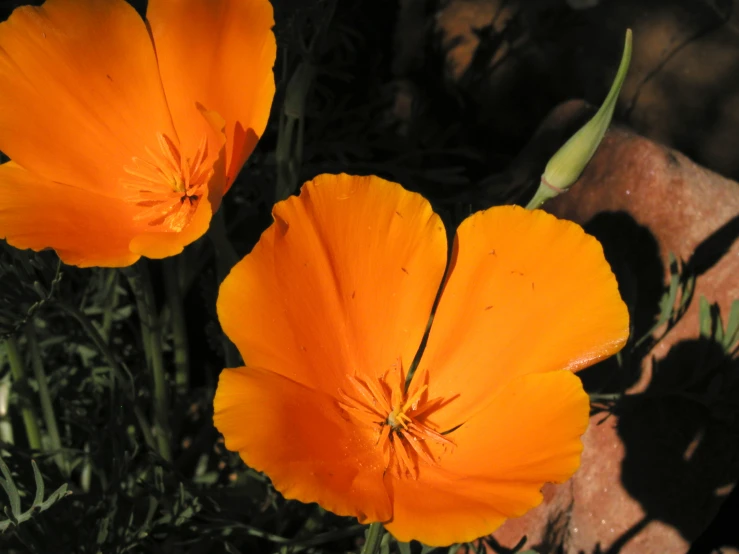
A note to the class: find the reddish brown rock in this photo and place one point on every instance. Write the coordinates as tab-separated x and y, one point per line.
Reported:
689	211
655	471
593	510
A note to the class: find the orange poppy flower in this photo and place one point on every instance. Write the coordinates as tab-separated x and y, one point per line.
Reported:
329	310
125	134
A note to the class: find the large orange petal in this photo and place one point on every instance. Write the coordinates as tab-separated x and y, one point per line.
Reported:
527	434
218	53
84	228
342	282
526	293
80	93
299	438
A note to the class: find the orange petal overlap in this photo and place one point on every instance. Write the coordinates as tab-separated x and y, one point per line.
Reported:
493	411
83	107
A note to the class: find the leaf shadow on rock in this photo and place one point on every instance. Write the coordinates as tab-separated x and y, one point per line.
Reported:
679	436
633	253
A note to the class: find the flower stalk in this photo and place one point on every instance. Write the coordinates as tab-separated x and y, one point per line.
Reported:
140	283
173	288
6	427
226	258
374	537
289	151
47	406
110	302
17	369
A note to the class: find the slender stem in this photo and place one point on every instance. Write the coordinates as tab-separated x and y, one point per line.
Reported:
543	193
122	377
17	369
111	300
6	427
226	258
374	538
173	288
47	406
151	334
86	473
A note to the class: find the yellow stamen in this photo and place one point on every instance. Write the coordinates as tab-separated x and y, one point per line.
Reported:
168	186
401	417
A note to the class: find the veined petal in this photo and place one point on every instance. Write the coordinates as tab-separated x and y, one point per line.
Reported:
299	438
342	282
218	53
526	434
526	293
80	92
85	229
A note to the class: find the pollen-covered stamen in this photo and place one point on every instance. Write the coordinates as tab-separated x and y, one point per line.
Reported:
167	186
399	416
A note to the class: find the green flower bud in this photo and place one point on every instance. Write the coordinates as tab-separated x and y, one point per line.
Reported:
566	166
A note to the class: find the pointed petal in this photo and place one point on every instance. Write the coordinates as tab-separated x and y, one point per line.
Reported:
84	228
526	293
342	283
218	53
80	93
298	437
526	435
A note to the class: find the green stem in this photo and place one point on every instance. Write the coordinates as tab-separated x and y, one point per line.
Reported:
111	300
6	427
47	406
374	538
151	335
226	258
17	369
173	288
543	193
122	377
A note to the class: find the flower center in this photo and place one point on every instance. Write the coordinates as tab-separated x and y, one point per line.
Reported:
168	186
399	416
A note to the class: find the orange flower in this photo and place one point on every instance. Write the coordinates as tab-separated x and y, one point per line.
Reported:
329	310
125	134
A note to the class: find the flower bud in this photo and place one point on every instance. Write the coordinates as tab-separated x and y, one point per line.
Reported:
566	166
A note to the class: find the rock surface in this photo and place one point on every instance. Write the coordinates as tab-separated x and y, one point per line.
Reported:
657	467
689	212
